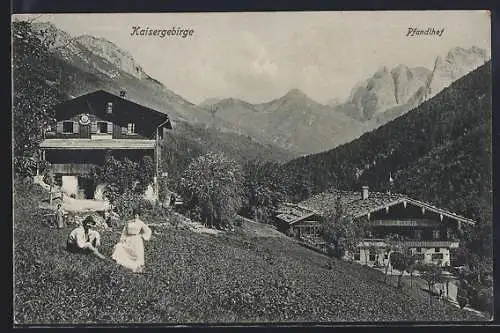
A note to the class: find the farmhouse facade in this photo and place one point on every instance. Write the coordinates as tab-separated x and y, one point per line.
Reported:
428	231
89	126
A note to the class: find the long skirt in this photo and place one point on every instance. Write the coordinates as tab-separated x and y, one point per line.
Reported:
130	253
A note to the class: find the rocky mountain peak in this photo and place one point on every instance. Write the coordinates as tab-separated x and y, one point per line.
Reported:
112	53
295	93
457	62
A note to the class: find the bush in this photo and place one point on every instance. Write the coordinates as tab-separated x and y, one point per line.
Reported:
121	176
129	201
481	298
211	188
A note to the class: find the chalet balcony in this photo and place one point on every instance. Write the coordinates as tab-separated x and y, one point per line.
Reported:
71	168
413	243
97	144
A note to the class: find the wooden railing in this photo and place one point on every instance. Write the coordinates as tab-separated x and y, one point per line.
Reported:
419	243
71	168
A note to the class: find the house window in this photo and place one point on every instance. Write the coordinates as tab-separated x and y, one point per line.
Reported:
102	127
419	250
436	249
109	107
437	256
418	234
131	128
357	255
435	234
67	127
58	179
419	256
372	255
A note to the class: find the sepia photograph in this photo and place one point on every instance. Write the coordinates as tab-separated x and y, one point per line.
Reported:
313	167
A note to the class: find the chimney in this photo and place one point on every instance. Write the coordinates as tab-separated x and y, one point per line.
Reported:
391	183
123	93
364	191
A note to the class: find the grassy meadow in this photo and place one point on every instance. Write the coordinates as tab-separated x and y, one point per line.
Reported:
251	275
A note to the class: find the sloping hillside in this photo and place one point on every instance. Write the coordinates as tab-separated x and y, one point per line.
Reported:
186	142
438	152
240	277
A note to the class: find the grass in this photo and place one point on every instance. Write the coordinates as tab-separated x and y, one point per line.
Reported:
239	277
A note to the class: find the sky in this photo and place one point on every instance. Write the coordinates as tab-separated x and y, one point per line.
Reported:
260	56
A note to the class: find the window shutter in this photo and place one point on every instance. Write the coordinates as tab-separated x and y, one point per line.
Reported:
124	130
59	127
93	127
75	127
110	127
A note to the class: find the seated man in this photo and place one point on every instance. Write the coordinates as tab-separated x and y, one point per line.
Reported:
85	240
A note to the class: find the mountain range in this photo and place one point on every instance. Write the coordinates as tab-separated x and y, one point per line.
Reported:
388	93
297	123
293	122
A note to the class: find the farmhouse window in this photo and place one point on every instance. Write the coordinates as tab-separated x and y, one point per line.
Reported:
131	128
109	107
357	255
58	179
435	234
419	249
436	249
102	127
437	256
67	127
418	234
419	256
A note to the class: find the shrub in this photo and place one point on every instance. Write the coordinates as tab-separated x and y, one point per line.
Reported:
481	298
211	187
129	201
121	176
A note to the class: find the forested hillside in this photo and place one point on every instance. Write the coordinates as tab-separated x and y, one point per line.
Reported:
439	152
186	142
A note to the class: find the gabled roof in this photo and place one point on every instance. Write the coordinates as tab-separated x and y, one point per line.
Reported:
354	206
292	213
126	101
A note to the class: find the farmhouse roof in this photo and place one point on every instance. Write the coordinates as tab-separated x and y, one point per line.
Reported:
355	206
104	94
292	213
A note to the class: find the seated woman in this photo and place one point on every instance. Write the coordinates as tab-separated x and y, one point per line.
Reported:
85	240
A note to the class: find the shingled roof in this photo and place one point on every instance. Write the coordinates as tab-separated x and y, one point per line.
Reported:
292	213
352	202
355	206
